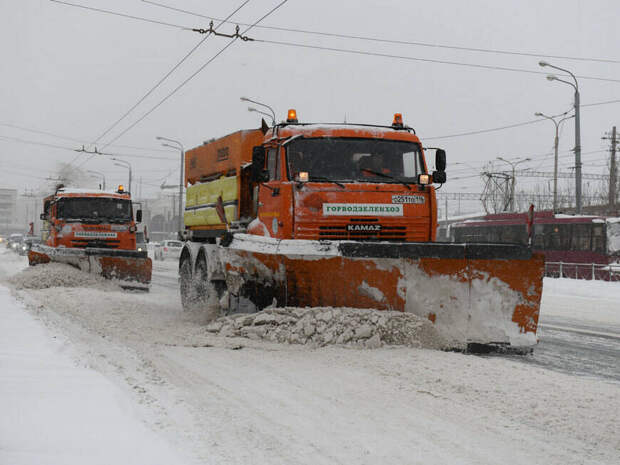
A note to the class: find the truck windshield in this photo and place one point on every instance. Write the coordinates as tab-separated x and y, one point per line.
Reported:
94	209
354	160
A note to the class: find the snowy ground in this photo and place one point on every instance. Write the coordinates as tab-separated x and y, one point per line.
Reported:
233	401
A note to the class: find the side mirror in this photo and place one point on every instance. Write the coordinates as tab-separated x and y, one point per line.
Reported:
439	177
138	216
259	173
440	160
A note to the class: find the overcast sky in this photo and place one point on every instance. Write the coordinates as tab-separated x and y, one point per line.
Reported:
72	72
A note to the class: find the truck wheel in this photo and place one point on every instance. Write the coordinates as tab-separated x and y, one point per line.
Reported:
207	293
188	297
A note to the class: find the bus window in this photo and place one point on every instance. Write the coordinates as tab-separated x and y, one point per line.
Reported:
581	239
539	236
598	239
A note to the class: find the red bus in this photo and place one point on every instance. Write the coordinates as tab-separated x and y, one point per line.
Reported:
584	247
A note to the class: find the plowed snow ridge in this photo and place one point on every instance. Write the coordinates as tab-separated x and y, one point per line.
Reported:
323	326
58	275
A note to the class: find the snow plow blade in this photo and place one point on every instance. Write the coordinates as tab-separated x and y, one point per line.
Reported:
475	294
131	268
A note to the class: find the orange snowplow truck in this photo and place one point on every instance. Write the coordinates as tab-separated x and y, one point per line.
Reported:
345	215
94	231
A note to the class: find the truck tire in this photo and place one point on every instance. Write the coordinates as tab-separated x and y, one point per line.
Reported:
198	292
188	297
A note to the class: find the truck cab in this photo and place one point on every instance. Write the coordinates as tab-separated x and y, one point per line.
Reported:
344	182
80	218
314	182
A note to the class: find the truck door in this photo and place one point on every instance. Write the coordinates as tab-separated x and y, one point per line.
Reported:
275	198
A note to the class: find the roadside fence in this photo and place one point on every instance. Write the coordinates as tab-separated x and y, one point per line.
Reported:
583	271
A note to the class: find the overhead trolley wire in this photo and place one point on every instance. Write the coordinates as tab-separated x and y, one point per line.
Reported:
393	41
424	60
70	149
79	141
192	76
124	15
385	55
166	76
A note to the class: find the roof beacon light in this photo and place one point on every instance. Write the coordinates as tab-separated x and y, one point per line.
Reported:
292	116
398	120
121	188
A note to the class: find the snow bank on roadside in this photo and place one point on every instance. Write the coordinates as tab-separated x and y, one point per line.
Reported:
322	326
582	300
57	412
58	275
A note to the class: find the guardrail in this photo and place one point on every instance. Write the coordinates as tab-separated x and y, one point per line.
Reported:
588	271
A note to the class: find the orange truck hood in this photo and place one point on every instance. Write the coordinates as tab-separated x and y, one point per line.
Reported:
327	211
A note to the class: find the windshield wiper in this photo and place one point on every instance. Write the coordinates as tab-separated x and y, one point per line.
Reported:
383	175
323	178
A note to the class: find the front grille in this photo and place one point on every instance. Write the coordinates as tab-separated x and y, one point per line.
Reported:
387	233
97	243
339	231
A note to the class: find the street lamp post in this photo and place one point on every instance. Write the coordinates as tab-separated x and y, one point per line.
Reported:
102	177
578	200
555	146
178	146
264	105
127	165
256	110
512	185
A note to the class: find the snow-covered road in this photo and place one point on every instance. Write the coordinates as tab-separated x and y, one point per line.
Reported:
235	401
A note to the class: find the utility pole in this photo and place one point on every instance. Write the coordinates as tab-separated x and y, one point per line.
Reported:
612	170
513	165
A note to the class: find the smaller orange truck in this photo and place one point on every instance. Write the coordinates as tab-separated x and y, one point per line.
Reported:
94	231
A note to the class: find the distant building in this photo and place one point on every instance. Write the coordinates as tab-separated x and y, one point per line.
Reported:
8	210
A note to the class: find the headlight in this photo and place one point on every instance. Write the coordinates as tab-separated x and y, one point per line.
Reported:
14	245
24	247
139	249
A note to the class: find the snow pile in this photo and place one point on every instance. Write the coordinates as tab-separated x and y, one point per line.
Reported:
57	275
321	326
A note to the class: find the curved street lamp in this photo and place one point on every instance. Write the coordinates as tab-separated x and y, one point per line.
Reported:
575	86
256	110
178	146
127	165
97	173
264	105
555	146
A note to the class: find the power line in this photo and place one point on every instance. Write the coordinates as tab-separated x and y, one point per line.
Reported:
62	147
358	52
174	68
510	126
79	141
30	142
396	42
482	131
424	60
124	15
176	89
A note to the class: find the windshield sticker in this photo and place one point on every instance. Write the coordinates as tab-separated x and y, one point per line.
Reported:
95	234
419	199
362	209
